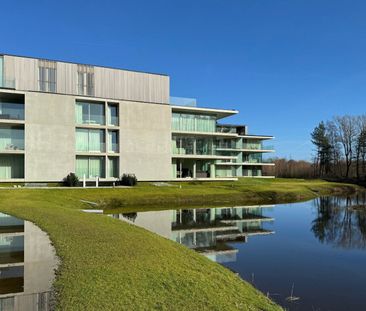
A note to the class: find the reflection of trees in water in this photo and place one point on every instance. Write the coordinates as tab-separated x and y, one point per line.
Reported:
339	224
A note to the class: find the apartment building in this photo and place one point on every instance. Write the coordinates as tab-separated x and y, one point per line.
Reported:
58	117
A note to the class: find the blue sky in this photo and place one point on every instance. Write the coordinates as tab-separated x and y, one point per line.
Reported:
286	65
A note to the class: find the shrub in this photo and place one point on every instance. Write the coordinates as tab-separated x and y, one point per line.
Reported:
71	180
128	180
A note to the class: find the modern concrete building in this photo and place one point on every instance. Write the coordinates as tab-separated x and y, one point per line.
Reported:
58	117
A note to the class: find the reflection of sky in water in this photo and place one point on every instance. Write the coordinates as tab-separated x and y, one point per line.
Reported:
319	246
27	263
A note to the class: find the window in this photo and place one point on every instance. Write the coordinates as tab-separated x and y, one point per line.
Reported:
193	123
12	108
89	113
11	137
113	114
91	167
47	76
11	166
113	170
88	140
113	141
86	80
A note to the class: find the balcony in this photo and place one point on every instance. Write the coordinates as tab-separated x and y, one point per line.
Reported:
7	84
11	138
183	101
12	145
257	147
11	107
113	120
94	148
226	129
113	148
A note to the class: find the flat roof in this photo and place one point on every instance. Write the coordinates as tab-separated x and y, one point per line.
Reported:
219	113
86	64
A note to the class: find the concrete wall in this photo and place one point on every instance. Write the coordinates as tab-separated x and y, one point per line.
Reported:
145	140
49	136
109	83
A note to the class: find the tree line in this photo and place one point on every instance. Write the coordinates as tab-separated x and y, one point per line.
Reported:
340	152
340	146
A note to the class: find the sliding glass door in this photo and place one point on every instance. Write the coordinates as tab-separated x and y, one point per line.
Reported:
91	167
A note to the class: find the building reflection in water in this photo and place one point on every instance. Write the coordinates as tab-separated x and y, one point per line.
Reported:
27	265
206	230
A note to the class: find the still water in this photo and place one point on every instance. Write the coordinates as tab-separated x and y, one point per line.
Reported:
27	266
312	252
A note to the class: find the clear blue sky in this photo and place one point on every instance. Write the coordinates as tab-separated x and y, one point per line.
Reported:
286	65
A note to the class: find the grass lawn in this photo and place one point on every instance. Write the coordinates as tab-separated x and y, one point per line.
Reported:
111	265
245	191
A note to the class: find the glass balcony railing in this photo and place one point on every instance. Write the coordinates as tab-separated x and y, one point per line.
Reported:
183	101
113	148
227	146
92	120
226	129
257	147
7	84
113	120
100	147
191	151
11	111
11	145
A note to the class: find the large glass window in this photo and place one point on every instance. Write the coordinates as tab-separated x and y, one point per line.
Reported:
183	145
11	138
91	167
252	144
253	158
193	123
47	76
113	114
85	80
113	145
189	145
89	113
113	167
204	146
11	109
11	166
88	140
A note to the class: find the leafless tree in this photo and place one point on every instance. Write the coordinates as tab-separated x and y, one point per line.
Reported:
347	136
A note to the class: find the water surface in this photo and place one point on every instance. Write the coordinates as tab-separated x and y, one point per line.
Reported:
313	252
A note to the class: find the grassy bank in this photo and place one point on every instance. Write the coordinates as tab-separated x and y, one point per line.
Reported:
245	191
111	265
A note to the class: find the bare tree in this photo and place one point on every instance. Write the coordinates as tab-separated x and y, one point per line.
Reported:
347	135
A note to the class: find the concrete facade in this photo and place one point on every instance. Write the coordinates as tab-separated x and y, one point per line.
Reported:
49	135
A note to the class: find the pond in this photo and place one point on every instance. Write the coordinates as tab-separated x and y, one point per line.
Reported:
27	266
304	256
